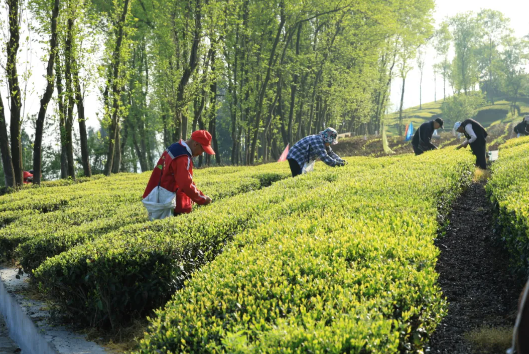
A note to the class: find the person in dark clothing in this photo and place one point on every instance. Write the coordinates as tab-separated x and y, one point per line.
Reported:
421	141
475	137
522	128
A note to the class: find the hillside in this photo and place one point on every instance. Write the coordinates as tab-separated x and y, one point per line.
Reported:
488	115
495	118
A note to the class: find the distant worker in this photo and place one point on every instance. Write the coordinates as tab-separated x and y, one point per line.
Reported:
522	129
171	190
28	177
475	137
311	147
421	141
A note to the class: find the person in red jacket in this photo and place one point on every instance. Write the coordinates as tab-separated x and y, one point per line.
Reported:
173	175
28	177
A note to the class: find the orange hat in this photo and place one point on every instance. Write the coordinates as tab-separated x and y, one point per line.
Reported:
203	137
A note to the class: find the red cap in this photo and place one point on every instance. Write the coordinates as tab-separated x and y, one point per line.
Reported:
203	138
27	174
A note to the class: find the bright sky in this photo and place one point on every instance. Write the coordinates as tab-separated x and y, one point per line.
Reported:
516	10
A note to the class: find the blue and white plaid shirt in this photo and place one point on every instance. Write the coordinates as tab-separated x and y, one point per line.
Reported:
310	148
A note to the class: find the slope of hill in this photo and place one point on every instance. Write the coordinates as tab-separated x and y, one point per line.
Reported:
495	118
488	115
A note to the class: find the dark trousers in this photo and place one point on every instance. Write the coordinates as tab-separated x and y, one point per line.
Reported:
416	150
294	167
479	148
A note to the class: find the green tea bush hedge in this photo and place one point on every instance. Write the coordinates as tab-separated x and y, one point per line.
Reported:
356	276
509	190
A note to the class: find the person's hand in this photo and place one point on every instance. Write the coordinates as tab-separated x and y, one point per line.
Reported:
208	200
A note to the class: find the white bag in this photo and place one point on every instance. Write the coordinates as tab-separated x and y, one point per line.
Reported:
160	203
308	167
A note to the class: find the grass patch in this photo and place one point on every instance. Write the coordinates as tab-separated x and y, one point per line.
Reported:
481	175
124	341
490	340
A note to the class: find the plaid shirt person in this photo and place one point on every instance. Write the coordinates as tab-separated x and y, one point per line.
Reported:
313	145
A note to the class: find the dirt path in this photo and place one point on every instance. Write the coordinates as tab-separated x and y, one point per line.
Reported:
474	276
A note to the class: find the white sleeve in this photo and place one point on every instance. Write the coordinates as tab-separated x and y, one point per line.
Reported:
470	132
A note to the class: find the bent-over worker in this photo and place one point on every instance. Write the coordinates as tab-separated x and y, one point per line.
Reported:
421	141
475	137
173	175
312	147
522	129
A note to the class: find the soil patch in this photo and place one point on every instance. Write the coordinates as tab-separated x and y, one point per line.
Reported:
474	276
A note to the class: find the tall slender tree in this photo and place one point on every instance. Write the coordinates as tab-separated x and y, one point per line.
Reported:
15	94
46	97
115	80
5	150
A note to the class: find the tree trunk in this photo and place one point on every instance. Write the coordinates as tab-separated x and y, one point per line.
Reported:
435	87
188	71
213	109
116	90
401	104
39	126
293	89
233	112
266	132
71	100
166	136
490	72
117	152
233	116
280	110
123	147
300	111
141	156
62	119
85	153
444	79
420	92
14	89
271	61
4	149
150	157
143	143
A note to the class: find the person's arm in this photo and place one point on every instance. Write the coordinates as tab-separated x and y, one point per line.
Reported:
470	132
321	152
184	180
333	155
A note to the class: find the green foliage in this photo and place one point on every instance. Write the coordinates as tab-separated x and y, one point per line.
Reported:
354	275
123	262
461	107
101	206
509	189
